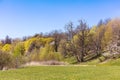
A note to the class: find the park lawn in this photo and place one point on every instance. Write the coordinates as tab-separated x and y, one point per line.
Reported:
63	73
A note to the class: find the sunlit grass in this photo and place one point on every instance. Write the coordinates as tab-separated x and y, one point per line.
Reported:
63	73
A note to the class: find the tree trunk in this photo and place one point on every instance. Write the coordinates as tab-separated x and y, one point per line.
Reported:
1	67
78	58
82	57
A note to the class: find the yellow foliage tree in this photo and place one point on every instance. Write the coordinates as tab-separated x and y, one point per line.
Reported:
108	35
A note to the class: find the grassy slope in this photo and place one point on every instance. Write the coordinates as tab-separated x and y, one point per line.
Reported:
109	62
63	73
112	62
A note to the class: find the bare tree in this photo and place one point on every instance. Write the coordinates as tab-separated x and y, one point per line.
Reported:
57	35
70	30
98	40
82	33
7	40
78	47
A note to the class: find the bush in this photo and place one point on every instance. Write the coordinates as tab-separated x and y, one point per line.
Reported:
34	57
19	50
6	60
50	56
6	48
19	61
48	53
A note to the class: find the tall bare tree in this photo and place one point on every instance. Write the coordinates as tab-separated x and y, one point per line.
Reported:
82	33
70	30
57	35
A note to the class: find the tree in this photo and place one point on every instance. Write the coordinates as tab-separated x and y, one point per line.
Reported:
103	22
108	35
7	40
78	46
98	40
113	36
81	40
63	47
57	36
70	30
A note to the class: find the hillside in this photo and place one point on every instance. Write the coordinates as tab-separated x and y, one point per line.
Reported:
75	46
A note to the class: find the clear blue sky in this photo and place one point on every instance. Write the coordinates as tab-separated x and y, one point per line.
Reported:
20	18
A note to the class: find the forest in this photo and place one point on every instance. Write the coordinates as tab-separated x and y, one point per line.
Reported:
77	44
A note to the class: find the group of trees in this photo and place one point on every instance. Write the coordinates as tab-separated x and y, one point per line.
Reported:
82	42
91	42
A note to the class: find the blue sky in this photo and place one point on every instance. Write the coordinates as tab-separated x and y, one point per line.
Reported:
20	18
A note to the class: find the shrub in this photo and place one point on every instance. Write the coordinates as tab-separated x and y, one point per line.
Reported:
6	48
6	60
48	53
19	54
34	56
19	50
19	61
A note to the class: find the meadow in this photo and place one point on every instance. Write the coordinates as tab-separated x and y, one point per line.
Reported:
62	73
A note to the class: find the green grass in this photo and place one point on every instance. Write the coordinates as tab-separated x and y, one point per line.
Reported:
92	62
109	70
112	62
70	60
63	73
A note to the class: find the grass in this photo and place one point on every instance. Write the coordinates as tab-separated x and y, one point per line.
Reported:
112	62
70	60
108	62
91	62
63	73
109	70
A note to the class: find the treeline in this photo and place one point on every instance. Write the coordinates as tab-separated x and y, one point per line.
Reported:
82	42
